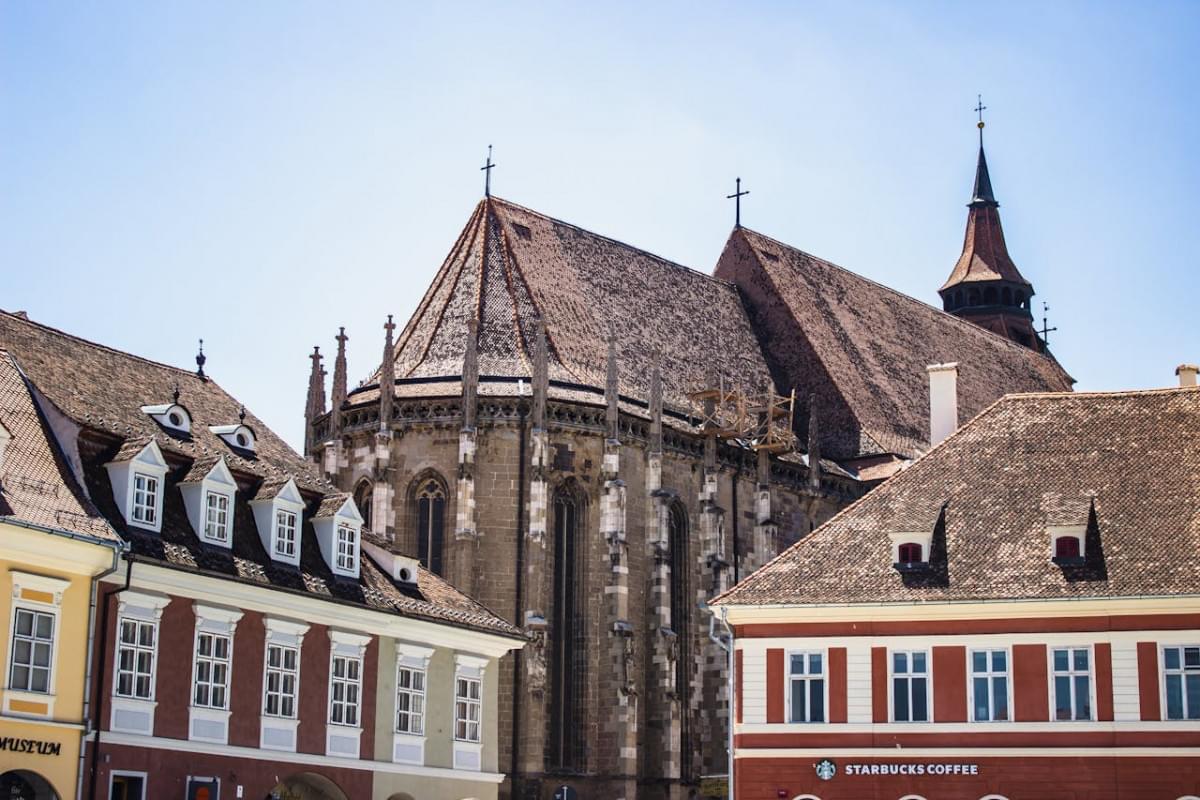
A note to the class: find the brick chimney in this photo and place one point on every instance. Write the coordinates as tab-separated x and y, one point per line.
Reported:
1187	374
943	401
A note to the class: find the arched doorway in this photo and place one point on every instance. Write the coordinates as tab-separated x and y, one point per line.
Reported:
20	784
307	786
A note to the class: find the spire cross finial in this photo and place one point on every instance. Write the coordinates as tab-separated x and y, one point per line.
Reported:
389	326
486	169
1046	330
736	197
200	359
341	337
979	109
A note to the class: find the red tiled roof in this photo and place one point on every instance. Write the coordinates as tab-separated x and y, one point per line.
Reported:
1125	464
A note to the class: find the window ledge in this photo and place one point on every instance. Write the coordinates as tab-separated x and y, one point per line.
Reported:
408	748
911	566
28	704
1069	561
468	755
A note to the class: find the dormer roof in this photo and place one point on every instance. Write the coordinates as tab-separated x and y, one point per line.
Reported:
338	504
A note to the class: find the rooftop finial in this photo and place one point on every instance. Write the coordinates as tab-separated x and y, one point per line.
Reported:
200	359
979	109
983	182
736	197
175	394
1046	329
487	173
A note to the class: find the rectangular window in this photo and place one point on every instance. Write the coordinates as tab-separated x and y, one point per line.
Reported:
347	548
136	648
216	521
32	651
282	677
145	498
468	703
410	700
212	670
285	534
989	685
345	687
807	685
910	686
1181	676
1072	683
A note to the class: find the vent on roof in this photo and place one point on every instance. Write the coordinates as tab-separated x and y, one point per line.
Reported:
171	416
239	436
767	254
522	231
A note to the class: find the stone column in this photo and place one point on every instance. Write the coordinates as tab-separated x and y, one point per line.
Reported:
534	654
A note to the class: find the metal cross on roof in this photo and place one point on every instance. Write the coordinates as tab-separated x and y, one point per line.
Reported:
737	196
979	109
487	171
1045	331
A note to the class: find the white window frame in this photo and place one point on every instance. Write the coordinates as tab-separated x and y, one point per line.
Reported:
341	740
131	714
411	693
35	609
1071	673
346	547
464	702
467	754
409	748
327	527
213	661
989	674
217	530
196	494
927	676
152	490
283	672
220	622
346	683
285	546
127	773
137	647
1182	671
823	676
150	463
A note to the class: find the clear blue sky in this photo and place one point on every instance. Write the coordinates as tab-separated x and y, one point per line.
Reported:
258	173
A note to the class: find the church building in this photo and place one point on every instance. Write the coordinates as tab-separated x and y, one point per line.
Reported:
594	442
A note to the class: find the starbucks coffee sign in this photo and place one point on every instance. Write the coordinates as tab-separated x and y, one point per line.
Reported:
826	769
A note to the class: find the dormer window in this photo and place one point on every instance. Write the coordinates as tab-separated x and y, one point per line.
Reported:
208	493
1068	544
910	553
910	550
278	514
171	416
1066	547
338	526
137	474
239	437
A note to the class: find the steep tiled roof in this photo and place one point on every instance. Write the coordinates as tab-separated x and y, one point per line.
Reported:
511	265
1127	465
103	390
36	484
862	348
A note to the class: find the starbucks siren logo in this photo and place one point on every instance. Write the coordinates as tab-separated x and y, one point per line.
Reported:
826	769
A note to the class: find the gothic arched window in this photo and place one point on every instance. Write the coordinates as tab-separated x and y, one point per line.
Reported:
567	633
681	619
363	494
429	500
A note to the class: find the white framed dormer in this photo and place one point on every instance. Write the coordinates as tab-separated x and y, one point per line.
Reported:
34	620
410	710
1064	551
910	549
240	436
347	659
212	673
280	519
209	503
135	662
281	684
138	485
171	416
339	533
468	711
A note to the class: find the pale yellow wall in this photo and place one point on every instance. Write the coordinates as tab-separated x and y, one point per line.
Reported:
39	553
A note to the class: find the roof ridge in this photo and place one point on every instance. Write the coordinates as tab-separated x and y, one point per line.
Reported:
1101	393
664	260
98	346
937	312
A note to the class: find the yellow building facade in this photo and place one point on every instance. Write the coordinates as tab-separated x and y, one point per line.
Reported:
53	546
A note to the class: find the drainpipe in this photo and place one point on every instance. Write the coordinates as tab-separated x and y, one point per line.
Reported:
520	593
726	643
102	671
87	667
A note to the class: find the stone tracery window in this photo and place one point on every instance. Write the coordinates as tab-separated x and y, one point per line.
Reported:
681	619
430	503
567	667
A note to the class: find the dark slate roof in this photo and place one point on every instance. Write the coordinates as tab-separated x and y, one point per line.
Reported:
103	390
1126	465
511	265
36	483
862	348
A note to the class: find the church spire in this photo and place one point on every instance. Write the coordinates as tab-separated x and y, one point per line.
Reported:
339	384
985	285
315	406
387	378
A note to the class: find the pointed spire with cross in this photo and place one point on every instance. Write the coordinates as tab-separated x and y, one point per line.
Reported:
979	109
486	169
387	377
736	197
1046	329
